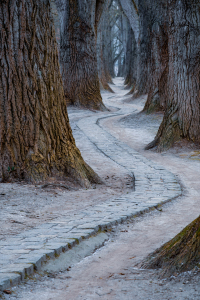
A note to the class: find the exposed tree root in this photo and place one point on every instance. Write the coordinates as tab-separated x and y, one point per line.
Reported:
132	90
152	145
36	141
168	133
153	103
105	86
180	254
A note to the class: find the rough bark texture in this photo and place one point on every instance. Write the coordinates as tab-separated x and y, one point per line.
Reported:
104	76
139	16
107	51
78	54
130	8
168	65
180	254
101	7
102	47
36	140
131	60
121	37
169	70
104	50
56	18
181	119
159	61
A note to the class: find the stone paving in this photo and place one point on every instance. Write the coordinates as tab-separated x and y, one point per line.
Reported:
24	253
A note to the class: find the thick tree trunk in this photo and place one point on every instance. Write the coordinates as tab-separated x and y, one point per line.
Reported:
130	8
131	61
139	16
78	55
56	19
110	53
36	140
181	119
181	254
105	48
103	73
120	66
103	77
121	50
157	95
144	48
101	8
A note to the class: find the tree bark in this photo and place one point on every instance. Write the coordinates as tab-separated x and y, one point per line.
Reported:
159	66
78	54
181	119
104	49
36	140
181	254
139	16
131	61
121	49
130	8
104	78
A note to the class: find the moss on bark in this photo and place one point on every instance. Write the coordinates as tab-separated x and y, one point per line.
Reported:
180	254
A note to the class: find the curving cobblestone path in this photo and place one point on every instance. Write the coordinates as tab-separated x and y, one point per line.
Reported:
154	185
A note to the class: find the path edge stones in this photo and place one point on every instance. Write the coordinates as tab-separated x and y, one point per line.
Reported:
17	272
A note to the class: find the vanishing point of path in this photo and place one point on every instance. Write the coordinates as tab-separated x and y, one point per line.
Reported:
120	136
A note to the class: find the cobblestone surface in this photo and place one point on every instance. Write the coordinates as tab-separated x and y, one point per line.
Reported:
24	253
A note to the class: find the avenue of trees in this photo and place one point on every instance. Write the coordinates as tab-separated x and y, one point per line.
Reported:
168	69
153	44
168	66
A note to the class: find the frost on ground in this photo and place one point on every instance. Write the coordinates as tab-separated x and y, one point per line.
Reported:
112	272
24	206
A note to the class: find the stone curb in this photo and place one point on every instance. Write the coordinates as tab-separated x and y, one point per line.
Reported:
25	253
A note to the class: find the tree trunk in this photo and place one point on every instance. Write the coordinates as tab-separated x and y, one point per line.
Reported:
56	19
159	69
105	48
130	8
103	77
131	61
139	16
119	74
181	119
181	254
36	140
78	55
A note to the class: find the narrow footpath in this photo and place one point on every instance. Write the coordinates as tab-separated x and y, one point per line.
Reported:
160	198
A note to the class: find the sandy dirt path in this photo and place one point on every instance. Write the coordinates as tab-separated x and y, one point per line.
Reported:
111	272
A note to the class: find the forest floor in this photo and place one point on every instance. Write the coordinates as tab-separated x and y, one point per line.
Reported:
111	272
